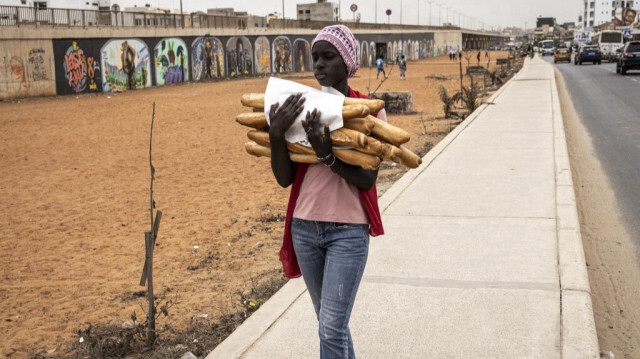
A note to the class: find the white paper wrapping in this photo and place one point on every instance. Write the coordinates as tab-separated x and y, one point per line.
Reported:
329	103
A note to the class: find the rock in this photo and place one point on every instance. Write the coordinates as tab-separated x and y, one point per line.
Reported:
607	355
180	347
399	102
188	355
258	245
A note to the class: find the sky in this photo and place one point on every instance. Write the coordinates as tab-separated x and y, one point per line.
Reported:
469	13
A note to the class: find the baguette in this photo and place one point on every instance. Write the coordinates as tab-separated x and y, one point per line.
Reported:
255	100
409	158
353	111
368	162
360	124
255	120
259	137
261	151
349	138
374	105
388	132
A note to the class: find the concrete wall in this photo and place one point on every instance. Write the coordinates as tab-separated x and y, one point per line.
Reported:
26	68
59	60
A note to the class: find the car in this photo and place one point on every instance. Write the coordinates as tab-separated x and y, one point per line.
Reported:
562	54
628	57
588	53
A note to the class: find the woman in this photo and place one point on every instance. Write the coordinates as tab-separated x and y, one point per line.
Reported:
333	206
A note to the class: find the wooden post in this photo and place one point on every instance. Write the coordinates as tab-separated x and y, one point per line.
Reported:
83	23
69	17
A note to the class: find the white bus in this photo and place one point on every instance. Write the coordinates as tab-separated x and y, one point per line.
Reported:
547	47
608	41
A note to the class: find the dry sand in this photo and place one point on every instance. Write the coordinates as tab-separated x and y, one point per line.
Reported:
610	253
75	202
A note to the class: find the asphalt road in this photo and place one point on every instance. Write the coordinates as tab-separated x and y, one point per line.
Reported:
608	105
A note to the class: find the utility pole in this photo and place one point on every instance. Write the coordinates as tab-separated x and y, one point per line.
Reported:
400	12
439	14
181	15
429	12
376	10
418	21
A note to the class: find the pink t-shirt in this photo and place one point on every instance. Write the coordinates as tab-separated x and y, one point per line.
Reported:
327	197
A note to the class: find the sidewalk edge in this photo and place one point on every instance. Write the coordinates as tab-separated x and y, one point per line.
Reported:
578	330
236	344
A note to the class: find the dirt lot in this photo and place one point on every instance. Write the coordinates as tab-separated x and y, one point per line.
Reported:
75	203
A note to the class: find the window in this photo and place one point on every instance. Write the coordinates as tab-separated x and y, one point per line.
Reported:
24	2
40	4
299	11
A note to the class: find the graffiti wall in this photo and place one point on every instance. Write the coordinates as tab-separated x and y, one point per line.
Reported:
263	55
239	56
77	64
207	57
281	55
125	65
85	65
171	61
302	56
26	69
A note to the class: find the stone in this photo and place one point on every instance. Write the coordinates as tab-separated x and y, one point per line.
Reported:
258	245
188	355
400	102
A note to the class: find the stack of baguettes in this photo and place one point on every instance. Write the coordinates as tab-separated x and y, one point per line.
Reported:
369	140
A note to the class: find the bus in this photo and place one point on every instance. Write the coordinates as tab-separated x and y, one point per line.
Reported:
609	41
547	47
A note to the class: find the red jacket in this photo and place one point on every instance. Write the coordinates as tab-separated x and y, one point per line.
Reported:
369	199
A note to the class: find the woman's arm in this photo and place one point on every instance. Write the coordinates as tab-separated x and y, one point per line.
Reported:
320	139
281	119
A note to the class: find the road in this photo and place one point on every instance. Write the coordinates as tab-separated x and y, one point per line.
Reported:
608	105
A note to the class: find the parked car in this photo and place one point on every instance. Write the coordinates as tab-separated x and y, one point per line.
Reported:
628	57
588	53
562	55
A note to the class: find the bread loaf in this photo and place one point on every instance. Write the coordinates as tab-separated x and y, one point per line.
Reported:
388	132
374	105
368	162
360	124
255	120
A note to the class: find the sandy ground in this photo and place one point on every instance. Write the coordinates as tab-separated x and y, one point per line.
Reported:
611	261
75	202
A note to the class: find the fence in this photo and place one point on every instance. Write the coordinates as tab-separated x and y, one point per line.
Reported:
33	16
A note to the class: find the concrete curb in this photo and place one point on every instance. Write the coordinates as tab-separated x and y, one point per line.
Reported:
578	329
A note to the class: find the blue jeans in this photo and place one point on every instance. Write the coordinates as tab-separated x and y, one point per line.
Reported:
332	257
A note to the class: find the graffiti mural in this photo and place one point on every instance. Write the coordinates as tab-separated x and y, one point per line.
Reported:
263	55
372	54
125	65
207	57
281	55
365	59
302	59
80	70
26	69
172	61
239	57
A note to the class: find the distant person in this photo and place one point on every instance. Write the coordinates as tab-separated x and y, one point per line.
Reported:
380	66
486	53
478	57
450	55
402	65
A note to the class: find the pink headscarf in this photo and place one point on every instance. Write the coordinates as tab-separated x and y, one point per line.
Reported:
343	40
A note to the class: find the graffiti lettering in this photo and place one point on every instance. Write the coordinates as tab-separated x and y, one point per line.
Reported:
75	66
92	67
36	62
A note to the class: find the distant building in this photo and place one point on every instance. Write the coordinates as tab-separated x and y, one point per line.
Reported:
60	4
602	11
549	21
322	10
249	21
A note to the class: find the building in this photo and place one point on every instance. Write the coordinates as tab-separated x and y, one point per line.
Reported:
598	12
322	10
247	20
60	4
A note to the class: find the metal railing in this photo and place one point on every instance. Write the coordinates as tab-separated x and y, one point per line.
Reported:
33	16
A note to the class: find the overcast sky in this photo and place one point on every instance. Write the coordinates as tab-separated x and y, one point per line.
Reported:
491	12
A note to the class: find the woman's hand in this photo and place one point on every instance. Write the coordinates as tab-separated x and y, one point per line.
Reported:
317	133
282	118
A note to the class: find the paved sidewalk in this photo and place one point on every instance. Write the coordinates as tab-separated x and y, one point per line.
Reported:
482	258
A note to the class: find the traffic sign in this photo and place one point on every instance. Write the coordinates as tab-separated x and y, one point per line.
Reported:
354	7
627	34
388	12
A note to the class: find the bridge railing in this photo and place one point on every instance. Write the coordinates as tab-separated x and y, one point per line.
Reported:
33	16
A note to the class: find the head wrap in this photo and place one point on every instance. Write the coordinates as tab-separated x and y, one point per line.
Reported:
343	40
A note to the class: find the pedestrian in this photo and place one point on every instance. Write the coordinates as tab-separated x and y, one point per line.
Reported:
333	206
450	55
402	65
478	57
380	66
486	53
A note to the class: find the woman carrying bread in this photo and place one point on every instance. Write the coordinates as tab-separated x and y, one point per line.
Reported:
333	206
